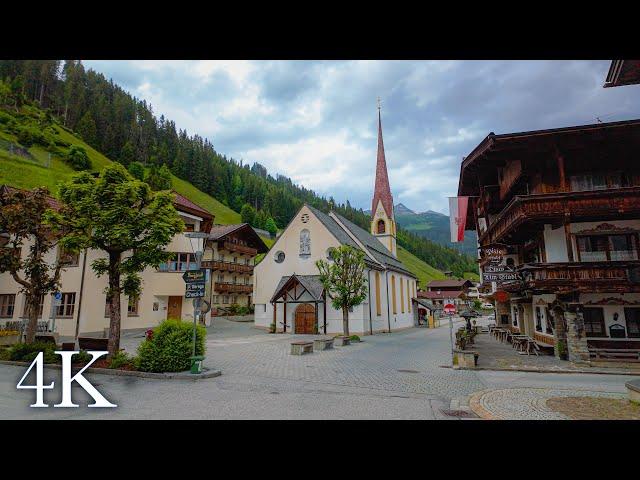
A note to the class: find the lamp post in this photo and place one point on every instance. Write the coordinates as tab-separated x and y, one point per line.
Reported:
197	240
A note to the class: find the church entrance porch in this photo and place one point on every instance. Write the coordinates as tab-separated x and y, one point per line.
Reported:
305	319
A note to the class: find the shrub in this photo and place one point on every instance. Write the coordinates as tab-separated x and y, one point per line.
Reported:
26	352
121	359
5	353
170	347
81	357
77	158
243	311
354	338
272	328
5	117
234	309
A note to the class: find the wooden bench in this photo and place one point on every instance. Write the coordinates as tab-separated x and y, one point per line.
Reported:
322	344
615	354
301	348
91	343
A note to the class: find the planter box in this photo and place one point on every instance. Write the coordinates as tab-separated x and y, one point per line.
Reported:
342	341
9	340
467	358
322	344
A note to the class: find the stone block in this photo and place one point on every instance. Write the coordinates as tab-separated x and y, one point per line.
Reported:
342	341
322	344
301	348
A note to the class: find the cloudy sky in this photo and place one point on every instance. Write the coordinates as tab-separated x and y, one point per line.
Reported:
315	121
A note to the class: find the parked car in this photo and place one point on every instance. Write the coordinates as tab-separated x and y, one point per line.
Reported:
487	305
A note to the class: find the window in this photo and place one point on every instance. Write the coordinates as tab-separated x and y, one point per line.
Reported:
594	322
235	259
189	227
225	299
550	321
393	292
515	316
378	309
408	297
221	257
401	295
279	256
132	307
600	248
633	322
381	226
305	243
234	299
181	262
595	181
7	303
25	314
67	305
215	299
67	258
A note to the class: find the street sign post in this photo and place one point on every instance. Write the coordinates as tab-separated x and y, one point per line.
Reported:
57	300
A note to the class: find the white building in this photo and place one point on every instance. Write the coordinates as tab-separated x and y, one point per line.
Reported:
287	288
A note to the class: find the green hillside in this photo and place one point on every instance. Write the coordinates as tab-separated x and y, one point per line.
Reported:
422	270
33	166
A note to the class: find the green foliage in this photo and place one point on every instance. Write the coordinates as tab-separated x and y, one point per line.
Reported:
121	359
170	347
27	352
248	214
136	169
272	327
5	353
77	158
355	338
477	304
159	178
81	357
270	226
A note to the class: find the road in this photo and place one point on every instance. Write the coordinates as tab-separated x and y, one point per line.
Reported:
387	376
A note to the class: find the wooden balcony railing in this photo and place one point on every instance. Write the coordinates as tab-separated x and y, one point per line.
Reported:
605	204
217	265
585	277
234	247
222	287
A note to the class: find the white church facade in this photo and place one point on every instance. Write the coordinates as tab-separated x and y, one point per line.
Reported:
288	293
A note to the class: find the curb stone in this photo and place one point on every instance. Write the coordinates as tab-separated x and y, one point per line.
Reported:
129	373
546	370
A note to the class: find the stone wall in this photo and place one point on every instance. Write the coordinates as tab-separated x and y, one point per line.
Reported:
576	338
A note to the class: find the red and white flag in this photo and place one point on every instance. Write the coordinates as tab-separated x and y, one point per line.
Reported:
458	217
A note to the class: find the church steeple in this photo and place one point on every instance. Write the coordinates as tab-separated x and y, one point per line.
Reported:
383	223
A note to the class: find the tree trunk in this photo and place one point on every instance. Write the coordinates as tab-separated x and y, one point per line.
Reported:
345	321
33	306
113	345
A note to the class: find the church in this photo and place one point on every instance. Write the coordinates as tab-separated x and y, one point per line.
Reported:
288	294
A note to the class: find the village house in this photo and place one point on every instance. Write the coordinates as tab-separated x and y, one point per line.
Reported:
287	288
439	292
562	208
230	256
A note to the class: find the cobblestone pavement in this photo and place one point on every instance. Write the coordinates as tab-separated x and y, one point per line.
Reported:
525	403
387	376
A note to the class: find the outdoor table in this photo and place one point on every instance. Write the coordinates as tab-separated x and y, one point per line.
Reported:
519	341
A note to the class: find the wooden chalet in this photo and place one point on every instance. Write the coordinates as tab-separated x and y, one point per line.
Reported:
564	204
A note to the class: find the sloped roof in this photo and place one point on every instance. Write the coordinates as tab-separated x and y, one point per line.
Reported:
440	295
183	203
6	189
311	283
449	283
334	228
374	246
382	190
218	232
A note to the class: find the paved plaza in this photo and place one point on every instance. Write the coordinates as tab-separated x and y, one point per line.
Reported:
387	376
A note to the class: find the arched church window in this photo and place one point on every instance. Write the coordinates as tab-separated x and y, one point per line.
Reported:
381	226
305	243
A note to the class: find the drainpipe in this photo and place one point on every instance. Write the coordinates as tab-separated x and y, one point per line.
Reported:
370	316
84	268
386	277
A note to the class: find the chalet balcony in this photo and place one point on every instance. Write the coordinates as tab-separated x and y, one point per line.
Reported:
222	287
524	212
219	266
234	247
583	277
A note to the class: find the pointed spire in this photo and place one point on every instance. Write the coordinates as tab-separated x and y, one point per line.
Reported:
382	191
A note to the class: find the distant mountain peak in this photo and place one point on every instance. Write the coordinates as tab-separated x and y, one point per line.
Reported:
401	209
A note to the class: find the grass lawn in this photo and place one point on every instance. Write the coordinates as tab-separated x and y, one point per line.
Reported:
422	270
595	408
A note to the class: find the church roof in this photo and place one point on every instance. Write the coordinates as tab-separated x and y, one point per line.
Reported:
382	191
311	283
371	243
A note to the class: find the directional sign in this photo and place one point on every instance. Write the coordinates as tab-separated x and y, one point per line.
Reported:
449	309
194	290
57	298
195	276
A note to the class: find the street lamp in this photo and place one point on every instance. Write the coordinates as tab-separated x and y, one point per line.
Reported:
197	241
